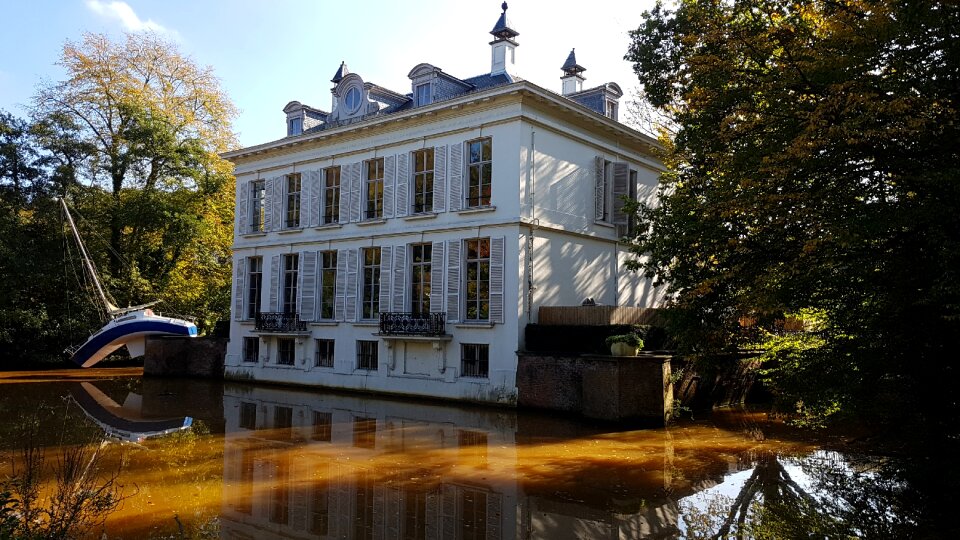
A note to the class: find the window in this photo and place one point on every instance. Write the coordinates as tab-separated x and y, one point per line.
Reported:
478	279
294	126
258	190
423	94
248	415
331	195
475	360
371	283
286	350
374	189
293	201
291	265
367	355
254	284
322	426
280	492
327	285
324	353
251	349
414	513
480	170
320	508
421	255
423	180
473	521
364	432
611	109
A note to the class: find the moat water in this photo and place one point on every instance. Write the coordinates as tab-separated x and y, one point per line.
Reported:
273	462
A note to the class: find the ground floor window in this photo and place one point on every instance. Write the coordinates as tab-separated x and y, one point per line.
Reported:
366	354
286	350
251	349
475	360
324	356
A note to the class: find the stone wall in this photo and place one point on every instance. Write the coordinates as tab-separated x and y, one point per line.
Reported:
184	357
601	387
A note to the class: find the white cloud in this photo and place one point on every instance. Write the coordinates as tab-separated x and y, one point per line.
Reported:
122	12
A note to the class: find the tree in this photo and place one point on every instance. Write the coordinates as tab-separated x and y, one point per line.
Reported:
155	123
814	169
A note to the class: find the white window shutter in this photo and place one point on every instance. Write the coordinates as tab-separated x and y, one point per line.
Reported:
600	188
403	184
340	293
344	202
356	190
456	177
278	192
304	199
436	278
621	189
389	180
243	207
453	280
312	218
308	289
399	278
275	283
439	178
268	205
385	267
350	297
496	279
240	269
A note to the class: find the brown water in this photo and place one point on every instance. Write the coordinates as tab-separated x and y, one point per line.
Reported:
269	462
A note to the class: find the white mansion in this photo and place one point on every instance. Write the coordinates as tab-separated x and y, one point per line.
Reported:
401	242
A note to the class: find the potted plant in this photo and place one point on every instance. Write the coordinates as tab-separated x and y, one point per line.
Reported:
625	344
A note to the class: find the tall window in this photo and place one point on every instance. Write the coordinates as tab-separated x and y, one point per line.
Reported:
251	349
258	191
423	180
254	284
480	172
374	191
371	283
367	355
324	353
291	264
328	284
475	360
293	200
421	256
473	520
331	195
286	351
478	279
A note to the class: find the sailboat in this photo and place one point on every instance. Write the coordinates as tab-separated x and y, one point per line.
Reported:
128	326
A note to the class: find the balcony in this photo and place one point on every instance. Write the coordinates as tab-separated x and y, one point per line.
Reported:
412	324
280	323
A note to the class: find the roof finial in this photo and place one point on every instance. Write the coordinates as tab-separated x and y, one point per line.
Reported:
502	30
503	6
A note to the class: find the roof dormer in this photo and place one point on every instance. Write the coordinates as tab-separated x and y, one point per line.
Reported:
302	118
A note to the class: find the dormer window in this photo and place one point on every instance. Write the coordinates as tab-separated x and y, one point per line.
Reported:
422	94
294	126
352	100
611	109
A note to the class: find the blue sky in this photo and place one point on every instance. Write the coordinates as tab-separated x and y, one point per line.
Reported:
269	53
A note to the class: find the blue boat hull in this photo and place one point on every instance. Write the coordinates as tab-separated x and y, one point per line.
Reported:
102	344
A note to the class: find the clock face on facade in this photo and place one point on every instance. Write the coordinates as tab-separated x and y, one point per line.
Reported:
352	99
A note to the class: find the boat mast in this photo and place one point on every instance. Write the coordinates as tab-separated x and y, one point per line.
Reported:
111	309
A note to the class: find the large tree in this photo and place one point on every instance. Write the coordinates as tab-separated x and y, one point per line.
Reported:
155	123
815	169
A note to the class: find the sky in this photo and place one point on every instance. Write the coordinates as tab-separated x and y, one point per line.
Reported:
267	54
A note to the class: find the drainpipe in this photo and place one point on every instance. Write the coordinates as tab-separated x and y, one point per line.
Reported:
532	163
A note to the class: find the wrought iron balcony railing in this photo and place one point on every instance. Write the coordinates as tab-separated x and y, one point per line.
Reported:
280	322
412	324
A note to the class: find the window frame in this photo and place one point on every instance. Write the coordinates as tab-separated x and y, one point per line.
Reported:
484	175
249	341
368	355
327	287
475	360
290	274
482	265
324	356
425	98
373	189
425	192
291	214
420	289
258	209
370	283
294	126
330	206
254	287
286	351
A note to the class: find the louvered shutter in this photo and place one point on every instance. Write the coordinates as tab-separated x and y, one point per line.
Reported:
298	517
456	177
494	516
621	190
439	178
350	296
316	190
403	184
277	207
448	511
436	278
356	185
399	278
600	189
275	283
344	214
384	298
308	290
268	205
496	279
433	515
379	504
340	293
304	220
240	270
389	180
243	189
393	513
453	280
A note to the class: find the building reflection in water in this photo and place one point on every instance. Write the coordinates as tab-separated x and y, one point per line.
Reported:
304	465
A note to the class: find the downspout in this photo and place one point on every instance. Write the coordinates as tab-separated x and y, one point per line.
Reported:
532	164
